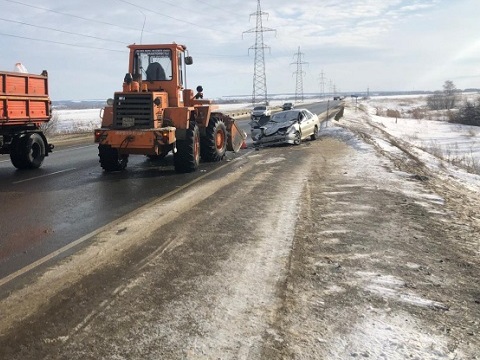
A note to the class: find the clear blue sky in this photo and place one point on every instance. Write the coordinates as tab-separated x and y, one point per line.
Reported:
379	44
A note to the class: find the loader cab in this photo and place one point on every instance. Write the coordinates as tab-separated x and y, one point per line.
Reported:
160	68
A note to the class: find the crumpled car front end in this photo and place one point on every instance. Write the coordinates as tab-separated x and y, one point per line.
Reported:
274	136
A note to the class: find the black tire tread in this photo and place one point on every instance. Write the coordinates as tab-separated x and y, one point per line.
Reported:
110	160
185	160
22	155
208	149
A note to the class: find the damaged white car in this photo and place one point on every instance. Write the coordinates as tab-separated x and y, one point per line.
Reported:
286	127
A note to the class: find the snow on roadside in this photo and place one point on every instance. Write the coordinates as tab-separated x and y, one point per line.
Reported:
450	150
71	121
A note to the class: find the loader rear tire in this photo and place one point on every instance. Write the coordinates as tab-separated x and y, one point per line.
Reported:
110	159
28	151
214	143
187	157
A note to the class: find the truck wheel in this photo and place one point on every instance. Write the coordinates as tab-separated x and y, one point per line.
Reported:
110	159
28	151
15	154
187	157
214	144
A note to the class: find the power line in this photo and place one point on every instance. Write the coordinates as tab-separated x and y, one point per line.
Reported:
167	16
61	31
218	7
85	19
61	43
123	27
70	15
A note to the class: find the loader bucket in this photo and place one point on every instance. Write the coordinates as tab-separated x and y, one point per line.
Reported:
236	136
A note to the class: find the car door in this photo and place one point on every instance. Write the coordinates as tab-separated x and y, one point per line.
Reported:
306	124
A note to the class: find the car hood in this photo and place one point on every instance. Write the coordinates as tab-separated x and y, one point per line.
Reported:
271	128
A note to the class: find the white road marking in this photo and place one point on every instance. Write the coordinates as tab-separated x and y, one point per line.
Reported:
67	247
42	176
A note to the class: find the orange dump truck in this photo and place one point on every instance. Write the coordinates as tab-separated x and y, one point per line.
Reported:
24	107
156	113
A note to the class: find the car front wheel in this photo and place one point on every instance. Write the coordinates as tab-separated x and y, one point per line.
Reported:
314	136
298	138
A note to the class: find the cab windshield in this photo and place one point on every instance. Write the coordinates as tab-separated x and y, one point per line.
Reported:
153	65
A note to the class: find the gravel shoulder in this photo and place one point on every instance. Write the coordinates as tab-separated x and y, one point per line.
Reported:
329	250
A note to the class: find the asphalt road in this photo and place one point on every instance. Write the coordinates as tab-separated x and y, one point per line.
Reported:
70	197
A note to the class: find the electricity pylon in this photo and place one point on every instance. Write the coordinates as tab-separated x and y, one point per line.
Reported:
299	75
259	94
322	84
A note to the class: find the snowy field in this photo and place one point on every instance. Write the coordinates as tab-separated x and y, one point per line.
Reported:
455	143
450	150
76	121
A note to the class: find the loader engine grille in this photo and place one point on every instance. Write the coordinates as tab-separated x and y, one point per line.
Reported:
133	111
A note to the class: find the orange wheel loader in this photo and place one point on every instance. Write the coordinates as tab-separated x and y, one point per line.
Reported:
155	114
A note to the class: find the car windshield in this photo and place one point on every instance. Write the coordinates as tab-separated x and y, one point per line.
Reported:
260	108
285	116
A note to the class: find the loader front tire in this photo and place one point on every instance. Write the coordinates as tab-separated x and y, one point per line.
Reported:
214	143
110	159
187	157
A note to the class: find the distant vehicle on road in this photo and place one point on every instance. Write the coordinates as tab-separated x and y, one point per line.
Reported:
287	106
286	127
260	111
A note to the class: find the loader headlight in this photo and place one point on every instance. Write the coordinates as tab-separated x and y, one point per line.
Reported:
109	101
157	101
